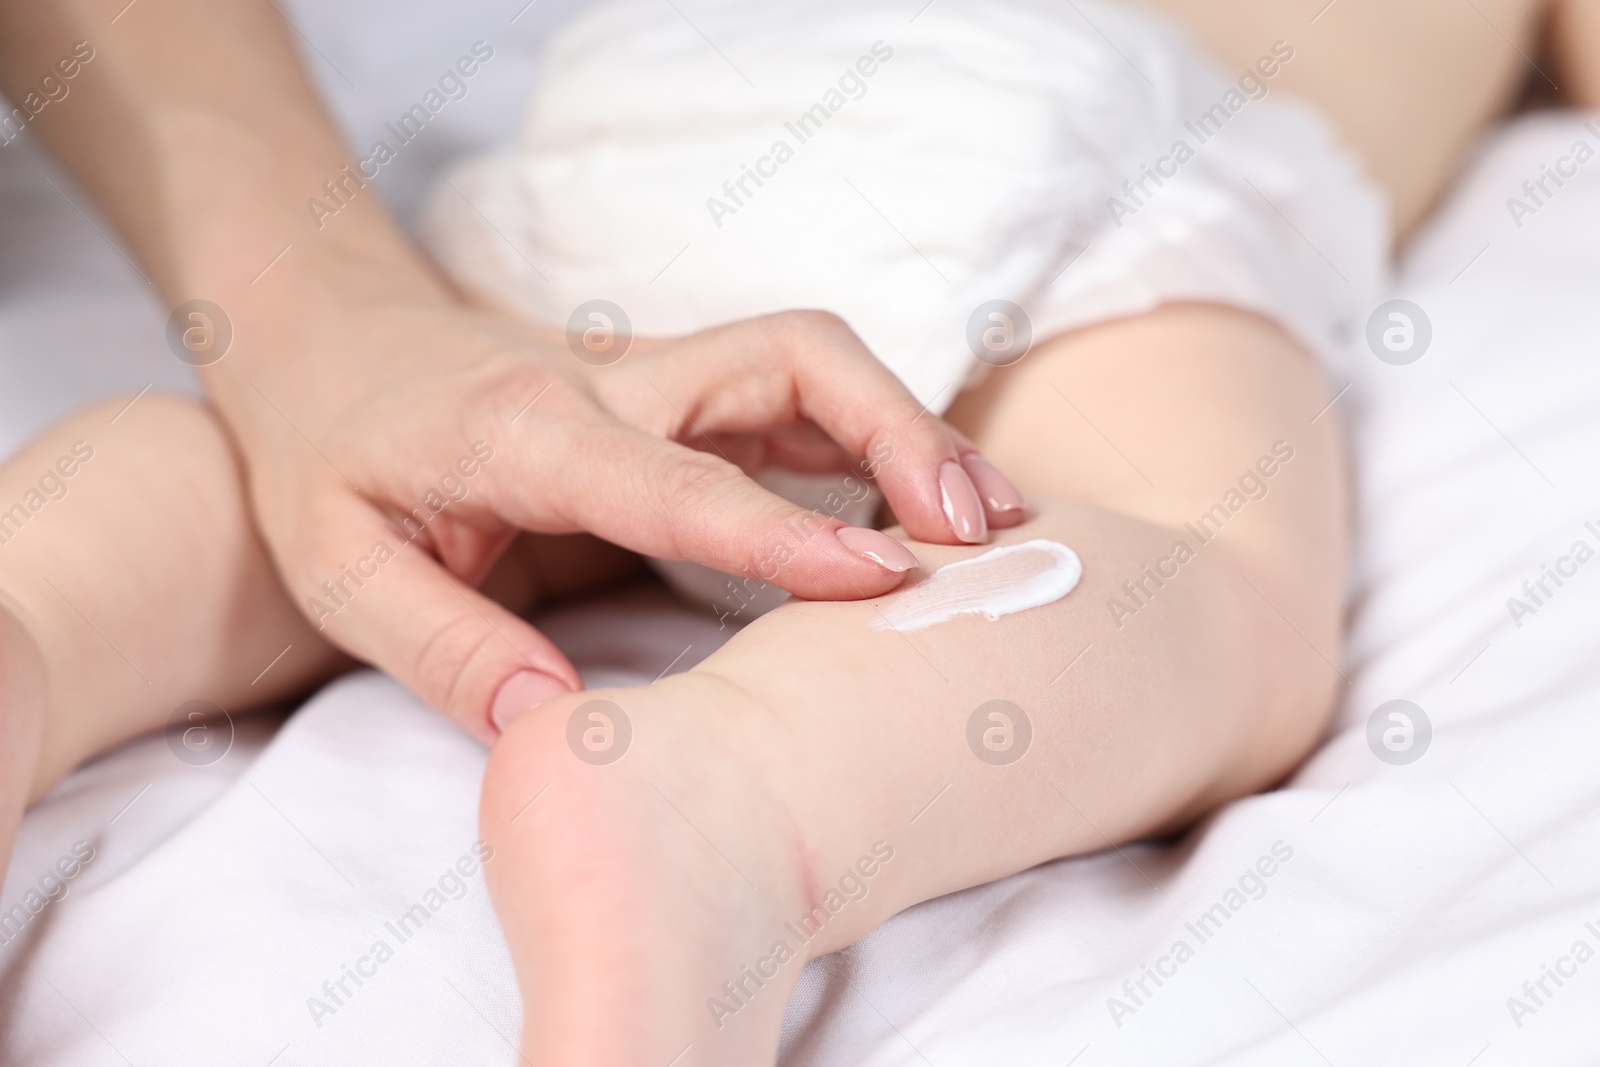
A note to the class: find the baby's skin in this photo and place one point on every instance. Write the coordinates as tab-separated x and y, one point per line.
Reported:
132	581
655	903
821	771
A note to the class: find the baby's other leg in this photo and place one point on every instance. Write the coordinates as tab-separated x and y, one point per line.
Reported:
1574	29
132	581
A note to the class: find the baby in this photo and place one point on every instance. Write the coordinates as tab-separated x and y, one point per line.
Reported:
1104	259
954	186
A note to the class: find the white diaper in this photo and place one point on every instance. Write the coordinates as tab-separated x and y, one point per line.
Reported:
696	163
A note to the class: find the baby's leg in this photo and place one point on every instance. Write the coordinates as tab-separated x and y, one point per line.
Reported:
821	772
818	775
131	582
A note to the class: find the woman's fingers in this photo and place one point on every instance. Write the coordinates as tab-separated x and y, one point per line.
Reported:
1003	502
381	597
607	450
753	375
667	500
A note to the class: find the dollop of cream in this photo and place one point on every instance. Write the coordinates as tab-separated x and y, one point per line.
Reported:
1000	582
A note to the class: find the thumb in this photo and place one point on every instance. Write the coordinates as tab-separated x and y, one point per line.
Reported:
378	596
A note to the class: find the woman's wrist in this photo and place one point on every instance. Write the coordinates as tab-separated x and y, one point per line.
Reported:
294	322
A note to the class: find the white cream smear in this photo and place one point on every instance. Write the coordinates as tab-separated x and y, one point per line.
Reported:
1000	582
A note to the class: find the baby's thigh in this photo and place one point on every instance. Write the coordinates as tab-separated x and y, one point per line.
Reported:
1575	43
1410	86
132	491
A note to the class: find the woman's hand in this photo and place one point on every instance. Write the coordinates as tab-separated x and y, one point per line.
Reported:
396	444
395	439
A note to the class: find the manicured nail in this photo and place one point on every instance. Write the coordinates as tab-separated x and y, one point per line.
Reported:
1003	500
520	694
962	508
880	548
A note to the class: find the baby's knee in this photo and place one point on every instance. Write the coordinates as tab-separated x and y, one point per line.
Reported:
175	438
175	415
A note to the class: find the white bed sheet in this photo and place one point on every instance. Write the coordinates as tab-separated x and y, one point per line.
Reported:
1417	900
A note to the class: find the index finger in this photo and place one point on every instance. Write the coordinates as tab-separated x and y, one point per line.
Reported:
807	365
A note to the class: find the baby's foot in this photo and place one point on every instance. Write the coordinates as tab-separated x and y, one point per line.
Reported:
644	899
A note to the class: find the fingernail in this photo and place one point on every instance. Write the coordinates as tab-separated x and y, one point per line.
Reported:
880	548
962	508
1003	500
520	694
